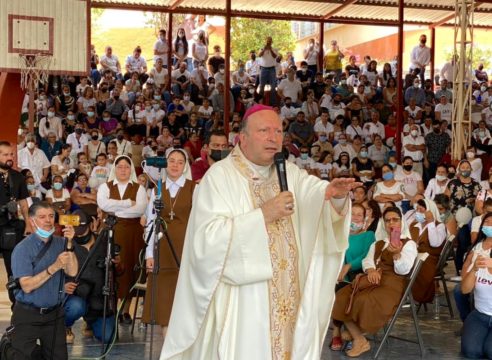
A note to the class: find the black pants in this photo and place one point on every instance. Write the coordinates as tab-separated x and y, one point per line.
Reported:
463	240
29	326
19	226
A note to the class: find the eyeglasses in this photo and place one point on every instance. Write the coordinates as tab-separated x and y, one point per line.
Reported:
392	220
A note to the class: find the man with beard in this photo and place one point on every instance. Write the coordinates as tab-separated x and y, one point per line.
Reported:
13	193
215	145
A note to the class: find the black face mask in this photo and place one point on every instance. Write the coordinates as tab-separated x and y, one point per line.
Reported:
288	105
437	130
6	166
82	240
95	137
79	131
451	175
407	167
217	155
160	153
120	137
154	148
116	97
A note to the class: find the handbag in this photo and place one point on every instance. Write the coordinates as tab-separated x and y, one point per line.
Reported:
360	283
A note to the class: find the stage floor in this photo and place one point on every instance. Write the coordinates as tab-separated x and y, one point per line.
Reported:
439	337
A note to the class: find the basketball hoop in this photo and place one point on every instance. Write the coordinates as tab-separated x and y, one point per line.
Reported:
34	70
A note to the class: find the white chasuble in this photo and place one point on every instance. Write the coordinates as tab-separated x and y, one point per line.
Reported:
247	290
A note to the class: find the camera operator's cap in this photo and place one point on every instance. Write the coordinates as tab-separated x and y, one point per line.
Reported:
84	222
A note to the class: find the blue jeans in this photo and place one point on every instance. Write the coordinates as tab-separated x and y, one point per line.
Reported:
96	76
462	302
476	341
269	76
76	307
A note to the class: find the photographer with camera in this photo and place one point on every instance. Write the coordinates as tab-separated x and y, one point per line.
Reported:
85	291
13	193
39	264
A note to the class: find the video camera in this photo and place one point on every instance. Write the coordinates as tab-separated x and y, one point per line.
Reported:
157	162
9	208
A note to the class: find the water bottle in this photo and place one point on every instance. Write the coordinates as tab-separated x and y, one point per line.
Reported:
479	99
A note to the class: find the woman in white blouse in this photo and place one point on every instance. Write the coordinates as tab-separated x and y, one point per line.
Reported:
438	184
386	265
476	340
389	189
123	196
61	163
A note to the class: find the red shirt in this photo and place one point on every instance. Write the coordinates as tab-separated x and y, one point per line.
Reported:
389	132
199	168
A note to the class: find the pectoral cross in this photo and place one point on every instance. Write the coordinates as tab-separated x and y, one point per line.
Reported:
171	214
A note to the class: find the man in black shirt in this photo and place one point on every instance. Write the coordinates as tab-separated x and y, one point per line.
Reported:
13	193
215	61
437	143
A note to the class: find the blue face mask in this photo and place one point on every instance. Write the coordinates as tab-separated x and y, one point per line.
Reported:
44	233
420	217
393	165
57	186
355	227
388	176
304	156
363	154
487	230
31	187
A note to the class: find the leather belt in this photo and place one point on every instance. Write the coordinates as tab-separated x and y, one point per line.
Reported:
39	310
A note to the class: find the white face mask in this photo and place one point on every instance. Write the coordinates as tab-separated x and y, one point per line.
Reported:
156	106
30	145
414	133
221	71
137	108
483	89
186	98
51	114
470	154
148	108
416	85
441	177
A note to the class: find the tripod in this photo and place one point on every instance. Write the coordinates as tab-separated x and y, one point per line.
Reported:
158	226
109	275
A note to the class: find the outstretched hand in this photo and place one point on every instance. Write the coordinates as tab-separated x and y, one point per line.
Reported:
340	187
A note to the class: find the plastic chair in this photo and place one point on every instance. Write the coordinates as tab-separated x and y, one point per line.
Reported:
440	273
407	298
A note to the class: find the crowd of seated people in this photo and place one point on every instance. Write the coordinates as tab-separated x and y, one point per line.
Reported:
338	122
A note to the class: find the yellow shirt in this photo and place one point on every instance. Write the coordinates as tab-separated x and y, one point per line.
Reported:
332	60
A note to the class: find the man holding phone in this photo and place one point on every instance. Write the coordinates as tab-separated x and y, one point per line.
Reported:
39	264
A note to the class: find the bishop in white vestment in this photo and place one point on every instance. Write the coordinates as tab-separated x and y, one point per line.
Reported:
259	266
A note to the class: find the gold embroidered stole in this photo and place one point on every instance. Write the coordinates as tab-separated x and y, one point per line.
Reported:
284	289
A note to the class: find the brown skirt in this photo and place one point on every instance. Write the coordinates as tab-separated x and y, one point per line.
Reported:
167	279
128	233
424	288
372	307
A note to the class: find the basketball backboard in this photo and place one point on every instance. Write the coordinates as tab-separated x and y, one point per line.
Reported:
59	29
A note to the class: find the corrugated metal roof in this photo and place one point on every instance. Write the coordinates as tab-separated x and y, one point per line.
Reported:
424	12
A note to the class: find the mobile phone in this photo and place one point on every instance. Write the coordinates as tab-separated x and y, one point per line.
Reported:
73	220
395	237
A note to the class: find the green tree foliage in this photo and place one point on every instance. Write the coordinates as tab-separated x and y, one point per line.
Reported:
158	20
95	16
481	54
249	34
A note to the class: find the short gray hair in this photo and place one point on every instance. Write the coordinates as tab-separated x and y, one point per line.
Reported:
33	209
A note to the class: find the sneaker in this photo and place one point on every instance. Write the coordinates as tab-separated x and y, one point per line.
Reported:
87	331
69	335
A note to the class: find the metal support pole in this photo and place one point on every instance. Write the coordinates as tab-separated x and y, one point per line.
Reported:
227	84
400	107
433	54
321	45
170	47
